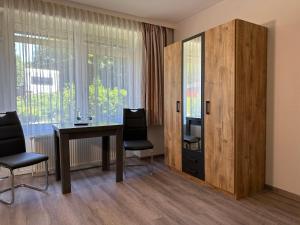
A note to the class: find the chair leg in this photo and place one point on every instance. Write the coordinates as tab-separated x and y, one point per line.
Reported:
47	175
124	163
152	165
149	165
151	162
12	189
13	186
38	188
189	146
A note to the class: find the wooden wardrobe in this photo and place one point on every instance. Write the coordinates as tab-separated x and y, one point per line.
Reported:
235	107
172	99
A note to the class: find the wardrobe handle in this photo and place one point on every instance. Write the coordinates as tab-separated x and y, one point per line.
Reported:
178	106
192	160
207	107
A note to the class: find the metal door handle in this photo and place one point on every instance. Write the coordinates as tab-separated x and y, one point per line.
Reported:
207	107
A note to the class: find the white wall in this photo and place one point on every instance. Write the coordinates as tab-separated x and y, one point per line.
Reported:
283	102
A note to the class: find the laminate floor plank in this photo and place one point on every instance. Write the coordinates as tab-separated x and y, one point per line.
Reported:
164	198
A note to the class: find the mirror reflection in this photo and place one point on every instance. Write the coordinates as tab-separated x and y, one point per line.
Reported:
193	158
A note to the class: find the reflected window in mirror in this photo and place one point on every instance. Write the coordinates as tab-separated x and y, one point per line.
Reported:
192	93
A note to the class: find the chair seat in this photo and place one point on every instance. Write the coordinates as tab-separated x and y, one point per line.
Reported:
22	159
191	139
138	145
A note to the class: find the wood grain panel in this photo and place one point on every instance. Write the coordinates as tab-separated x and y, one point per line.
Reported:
172	94
162	199
250	107
219	90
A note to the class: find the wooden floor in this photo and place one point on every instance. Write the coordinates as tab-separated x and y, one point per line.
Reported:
163	198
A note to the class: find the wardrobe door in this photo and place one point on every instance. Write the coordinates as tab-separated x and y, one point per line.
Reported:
219	106
172	105
250	107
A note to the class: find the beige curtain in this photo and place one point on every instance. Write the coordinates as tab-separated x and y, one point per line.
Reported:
155	39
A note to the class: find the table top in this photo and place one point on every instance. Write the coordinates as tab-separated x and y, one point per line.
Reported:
90	126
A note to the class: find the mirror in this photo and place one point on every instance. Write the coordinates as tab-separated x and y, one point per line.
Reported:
192	102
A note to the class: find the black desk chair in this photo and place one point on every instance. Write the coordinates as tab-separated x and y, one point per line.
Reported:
13	153
135	134
188	138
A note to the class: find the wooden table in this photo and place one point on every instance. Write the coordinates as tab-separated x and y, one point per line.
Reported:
63	133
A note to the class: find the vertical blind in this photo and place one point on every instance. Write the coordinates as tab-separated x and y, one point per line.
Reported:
56	61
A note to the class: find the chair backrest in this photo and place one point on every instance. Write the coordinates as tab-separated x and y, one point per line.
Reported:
135	125
12	139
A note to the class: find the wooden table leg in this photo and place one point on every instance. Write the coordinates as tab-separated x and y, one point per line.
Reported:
105	153
57	156
65	163
119	156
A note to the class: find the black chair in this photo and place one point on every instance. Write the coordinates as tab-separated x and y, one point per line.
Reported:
135	134
188	138
13	153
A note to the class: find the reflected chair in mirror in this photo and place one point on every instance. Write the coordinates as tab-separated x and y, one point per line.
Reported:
13	153
189	139
135	135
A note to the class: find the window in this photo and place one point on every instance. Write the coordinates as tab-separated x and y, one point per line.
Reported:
65	65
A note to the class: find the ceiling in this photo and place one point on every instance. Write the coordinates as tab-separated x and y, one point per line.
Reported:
172	11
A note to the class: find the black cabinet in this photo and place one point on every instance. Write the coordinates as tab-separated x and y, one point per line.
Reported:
193	163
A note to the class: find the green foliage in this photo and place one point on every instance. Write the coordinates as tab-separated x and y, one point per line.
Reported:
44	107
56	107
61	106
108	99
20	71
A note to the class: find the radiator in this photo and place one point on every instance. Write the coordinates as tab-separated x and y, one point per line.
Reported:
83	152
